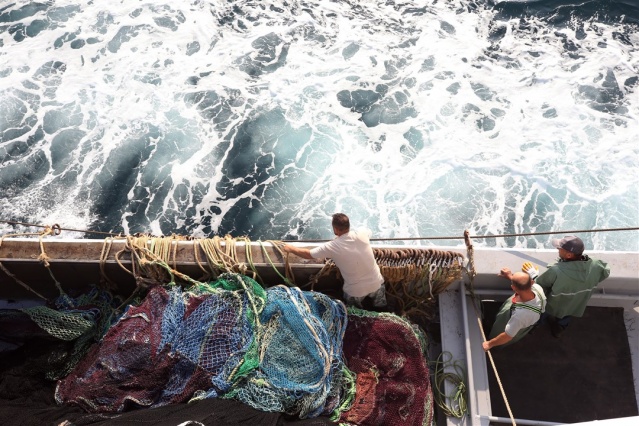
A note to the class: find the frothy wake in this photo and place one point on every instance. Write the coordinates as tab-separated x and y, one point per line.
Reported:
263	119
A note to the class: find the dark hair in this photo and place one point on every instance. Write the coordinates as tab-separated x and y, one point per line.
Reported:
341	222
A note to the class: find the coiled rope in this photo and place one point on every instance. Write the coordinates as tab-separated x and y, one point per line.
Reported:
452	404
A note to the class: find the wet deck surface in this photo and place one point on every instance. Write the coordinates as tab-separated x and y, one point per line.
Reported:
586	374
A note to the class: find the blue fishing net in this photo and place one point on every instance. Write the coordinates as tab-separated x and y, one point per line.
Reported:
301	369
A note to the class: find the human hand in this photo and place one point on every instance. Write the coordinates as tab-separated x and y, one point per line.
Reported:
506	273
531	270
486	346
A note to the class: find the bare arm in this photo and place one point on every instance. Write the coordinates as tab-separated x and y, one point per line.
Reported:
506	273
297	251
501	339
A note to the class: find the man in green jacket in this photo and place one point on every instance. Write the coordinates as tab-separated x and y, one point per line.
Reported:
569	283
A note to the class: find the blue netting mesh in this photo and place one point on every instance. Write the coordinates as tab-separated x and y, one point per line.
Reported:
300	354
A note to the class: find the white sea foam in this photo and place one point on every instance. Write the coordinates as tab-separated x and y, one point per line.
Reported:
515	134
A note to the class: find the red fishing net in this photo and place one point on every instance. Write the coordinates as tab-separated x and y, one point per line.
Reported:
393	386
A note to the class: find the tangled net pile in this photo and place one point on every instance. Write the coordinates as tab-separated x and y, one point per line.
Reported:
277	350
300	346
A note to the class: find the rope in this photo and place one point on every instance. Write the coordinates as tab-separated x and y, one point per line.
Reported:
457	407
328	267
16	279
105	281
148	253
44	258
59	229
248	254
471	275
275	245
521	234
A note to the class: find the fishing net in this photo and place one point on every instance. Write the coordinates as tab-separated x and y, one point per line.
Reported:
301	369
82	320
388	355
277	350
414	277
170	346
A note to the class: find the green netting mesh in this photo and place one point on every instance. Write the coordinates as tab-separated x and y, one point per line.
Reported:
276	350
63	325
83	320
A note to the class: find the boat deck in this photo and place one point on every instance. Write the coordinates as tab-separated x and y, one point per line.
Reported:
590	373
597	359
584	374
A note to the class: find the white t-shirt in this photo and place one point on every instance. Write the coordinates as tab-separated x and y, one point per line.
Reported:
522	317
353	255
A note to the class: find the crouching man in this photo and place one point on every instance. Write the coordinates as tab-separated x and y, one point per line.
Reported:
353	255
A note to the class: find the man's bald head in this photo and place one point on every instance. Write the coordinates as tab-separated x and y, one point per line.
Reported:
521	281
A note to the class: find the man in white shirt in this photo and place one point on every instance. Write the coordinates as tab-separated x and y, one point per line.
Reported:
519	313
353	255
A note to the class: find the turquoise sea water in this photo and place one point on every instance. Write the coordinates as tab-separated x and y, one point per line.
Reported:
263	118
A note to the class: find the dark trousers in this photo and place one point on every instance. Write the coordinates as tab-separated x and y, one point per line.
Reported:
562	322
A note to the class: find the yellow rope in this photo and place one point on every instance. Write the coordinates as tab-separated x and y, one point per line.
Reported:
248	254
471	274
154	259
275	246
196	253
328	267
15	278
44	258
105	281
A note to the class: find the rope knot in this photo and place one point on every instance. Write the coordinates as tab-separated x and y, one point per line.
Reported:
44	259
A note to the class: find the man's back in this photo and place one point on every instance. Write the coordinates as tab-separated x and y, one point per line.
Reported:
354	257
569	285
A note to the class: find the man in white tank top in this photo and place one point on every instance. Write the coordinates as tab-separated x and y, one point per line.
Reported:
353	255
519	313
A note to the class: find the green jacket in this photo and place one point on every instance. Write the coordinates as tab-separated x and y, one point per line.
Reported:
569	285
